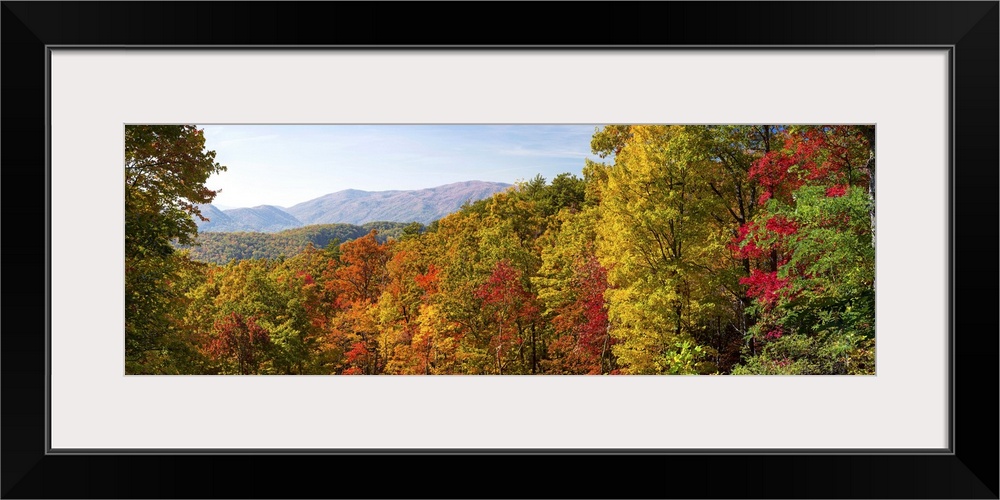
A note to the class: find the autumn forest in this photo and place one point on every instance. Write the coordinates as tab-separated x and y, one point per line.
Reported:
740	249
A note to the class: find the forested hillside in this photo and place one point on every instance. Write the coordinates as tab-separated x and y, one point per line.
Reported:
220	248
691	250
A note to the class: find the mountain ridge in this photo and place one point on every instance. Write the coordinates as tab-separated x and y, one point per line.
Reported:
351	206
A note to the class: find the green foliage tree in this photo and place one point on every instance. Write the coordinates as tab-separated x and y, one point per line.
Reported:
813	256
166	167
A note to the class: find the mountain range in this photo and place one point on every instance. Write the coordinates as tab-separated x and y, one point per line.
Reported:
351	206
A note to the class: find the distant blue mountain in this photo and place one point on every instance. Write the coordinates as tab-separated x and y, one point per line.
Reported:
263	218
352	206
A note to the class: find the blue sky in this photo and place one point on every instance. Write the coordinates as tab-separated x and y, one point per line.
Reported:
288	164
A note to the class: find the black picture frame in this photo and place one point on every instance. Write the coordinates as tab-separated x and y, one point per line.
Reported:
969	29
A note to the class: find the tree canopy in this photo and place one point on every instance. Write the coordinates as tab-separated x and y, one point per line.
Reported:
166	167
743	249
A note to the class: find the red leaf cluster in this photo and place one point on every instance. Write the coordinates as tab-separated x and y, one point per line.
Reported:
781	225
772	172
306	277
241	338
504	290
358	352
744	245
765	286
429	280
836	190
812	155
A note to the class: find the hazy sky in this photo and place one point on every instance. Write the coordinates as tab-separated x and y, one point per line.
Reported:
287	164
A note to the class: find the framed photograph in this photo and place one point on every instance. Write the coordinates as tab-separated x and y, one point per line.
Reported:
909	87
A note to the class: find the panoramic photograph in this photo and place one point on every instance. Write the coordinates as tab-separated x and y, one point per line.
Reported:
585	249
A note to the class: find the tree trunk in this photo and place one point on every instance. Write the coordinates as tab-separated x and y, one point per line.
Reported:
499	348
534	359
869	132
